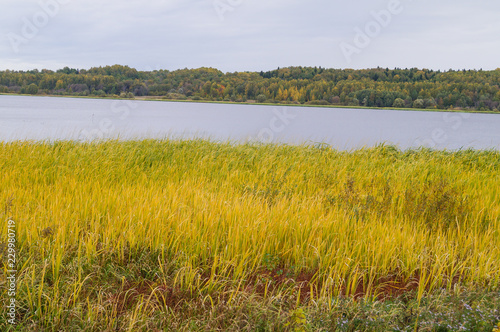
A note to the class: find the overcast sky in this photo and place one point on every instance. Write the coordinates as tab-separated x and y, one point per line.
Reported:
249	35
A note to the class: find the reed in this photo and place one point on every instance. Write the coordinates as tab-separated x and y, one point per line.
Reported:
137	234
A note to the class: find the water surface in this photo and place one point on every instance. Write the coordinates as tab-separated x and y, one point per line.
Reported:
49	118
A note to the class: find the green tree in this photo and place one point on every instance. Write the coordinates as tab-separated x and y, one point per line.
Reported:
32	89
371	87
399	103
261	98
419	103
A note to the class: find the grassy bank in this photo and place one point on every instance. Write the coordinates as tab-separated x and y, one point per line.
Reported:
253	102
193	235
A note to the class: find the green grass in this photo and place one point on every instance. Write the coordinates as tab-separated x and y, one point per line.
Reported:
200	236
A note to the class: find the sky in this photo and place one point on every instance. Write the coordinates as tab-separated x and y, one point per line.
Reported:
249	35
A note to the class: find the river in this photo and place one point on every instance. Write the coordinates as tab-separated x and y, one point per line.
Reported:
83	119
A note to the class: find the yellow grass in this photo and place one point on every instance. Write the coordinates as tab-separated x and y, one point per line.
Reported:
219	221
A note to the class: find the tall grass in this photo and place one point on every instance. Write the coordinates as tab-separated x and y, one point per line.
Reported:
122	235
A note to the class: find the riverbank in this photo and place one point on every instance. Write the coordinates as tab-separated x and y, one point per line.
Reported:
253	102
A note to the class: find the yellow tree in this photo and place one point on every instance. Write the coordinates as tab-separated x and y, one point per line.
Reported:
60	85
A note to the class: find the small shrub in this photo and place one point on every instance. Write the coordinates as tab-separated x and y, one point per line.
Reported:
261	98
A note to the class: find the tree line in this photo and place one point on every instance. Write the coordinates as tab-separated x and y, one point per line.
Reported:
377	87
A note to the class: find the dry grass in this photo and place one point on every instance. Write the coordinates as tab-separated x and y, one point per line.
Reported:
148	234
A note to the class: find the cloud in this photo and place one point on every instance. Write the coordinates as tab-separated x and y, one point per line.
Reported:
249	35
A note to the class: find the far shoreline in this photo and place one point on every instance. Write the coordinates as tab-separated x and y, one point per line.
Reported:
253	102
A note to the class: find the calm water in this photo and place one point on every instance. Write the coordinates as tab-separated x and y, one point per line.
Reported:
46	118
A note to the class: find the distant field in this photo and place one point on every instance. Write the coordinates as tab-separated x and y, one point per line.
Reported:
199	236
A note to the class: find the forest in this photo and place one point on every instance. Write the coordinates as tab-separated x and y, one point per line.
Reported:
378	87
